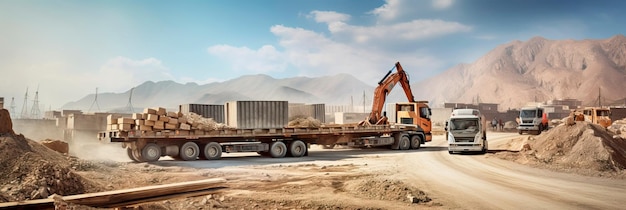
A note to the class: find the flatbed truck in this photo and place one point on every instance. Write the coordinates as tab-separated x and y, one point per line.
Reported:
277	143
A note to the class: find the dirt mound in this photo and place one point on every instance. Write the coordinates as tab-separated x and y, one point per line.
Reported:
305	122
583	147
6	125
56	145
391	190
33	171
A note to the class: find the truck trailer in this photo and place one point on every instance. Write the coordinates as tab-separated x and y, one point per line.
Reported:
277	143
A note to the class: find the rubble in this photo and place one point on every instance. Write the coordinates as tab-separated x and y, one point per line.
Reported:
56	145
305	122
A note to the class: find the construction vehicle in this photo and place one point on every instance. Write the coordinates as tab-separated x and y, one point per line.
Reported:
466	131
410	113
148	146
597	115
532	119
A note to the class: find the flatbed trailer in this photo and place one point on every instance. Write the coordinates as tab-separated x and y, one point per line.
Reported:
273	142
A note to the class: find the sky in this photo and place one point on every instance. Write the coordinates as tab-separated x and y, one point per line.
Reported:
67	49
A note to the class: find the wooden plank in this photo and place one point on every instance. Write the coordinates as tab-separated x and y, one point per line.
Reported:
121	198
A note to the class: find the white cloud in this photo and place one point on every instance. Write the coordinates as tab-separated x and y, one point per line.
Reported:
127	73
390	10
442	4
366	52
264	60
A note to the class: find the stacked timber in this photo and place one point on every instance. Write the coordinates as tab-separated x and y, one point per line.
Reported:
159	119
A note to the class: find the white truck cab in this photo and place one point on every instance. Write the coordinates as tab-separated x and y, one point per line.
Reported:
466	131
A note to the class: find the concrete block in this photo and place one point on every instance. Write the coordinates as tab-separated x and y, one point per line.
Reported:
114	127
182	132
124	120
173	121
164	118
185	126
160	111
144	128
172	114
149	122
169	126
182	120
153	117
149	111
111	119
158	125
140	122
125	126
138	116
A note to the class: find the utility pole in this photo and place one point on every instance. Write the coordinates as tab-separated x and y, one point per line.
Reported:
599	98
95	101
35	112
12	107
363	101
129	106
24	114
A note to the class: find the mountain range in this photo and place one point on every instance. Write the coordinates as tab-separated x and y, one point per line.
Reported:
337	89
537	70
511	75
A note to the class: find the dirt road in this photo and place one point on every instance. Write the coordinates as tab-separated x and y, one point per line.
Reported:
459	181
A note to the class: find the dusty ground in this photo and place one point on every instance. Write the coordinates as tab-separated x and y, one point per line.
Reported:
355	179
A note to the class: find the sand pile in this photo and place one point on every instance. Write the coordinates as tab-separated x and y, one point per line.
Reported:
618	127
305	122
579	146
200	123
32	171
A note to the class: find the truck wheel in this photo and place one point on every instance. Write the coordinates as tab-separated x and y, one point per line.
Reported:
416	142
297	148
278	149
405	143
520	132
189	151
130	154
212	151
137	156
151	152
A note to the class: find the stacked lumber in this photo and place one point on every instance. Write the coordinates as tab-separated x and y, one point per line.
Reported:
159	119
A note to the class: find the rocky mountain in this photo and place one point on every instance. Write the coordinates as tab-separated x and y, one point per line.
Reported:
536	70
336	89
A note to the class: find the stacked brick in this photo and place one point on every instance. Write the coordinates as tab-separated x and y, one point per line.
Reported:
159	119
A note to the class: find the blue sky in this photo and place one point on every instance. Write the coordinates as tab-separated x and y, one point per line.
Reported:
68	48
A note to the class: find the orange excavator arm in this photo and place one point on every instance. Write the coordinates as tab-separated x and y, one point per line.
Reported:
384	87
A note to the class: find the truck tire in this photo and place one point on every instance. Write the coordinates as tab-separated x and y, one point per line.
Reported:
416	142
137	156
130	154
151	152
212	151
278	149
405	143
297	148
189	151
520	132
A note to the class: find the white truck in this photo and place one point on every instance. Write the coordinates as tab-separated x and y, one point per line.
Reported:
532	120
466	131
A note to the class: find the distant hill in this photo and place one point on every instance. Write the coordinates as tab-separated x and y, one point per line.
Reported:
536	70
337	89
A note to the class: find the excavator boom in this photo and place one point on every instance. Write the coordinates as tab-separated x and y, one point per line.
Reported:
384	87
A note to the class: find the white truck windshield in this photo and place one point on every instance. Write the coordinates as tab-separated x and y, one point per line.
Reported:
528	113
464	125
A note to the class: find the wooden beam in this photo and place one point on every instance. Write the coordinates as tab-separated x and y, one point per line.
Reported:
121	198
